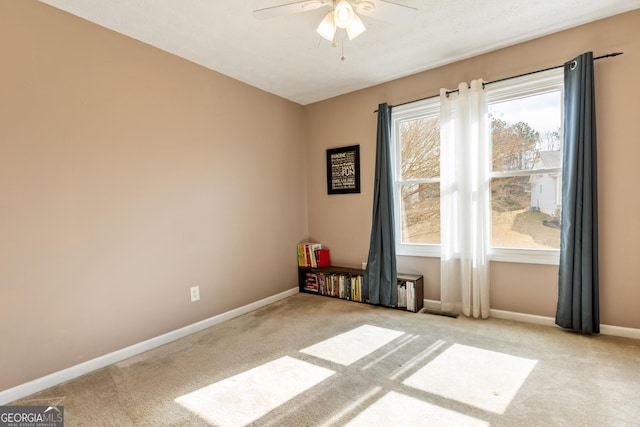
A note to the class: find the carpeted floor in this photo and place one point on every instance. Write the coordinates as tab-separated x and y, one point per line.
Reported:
316	361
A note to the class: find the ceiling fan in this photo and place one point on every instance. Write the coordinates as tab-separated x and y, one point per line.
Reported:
343	14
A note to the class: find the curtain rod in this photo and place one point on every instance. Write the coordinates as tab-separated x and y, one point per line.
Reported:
506	78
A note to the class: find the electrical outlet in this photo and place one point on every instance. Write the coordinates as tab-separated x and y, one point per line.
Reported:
195	293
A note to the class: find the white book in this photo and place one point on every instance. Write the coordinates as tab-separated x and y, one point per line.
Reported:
411	296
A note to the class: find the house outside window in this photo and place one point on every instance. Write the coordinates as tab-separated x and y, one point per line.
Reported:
525	114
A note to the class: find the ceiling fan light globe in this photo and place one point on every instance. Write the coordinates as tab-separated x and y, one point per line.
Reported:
327	28
343	14
356	28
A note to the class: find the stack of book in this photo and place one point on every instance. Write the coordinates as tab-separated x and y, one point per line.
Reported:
312	255
311	282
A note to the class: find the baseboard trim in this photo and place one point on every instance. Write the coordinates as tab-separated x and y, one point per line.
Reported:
620	331
431	304
616	331
72	372
522	317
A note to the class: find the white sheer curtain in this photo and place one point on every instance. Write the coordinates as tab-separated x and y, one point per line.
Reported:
464	200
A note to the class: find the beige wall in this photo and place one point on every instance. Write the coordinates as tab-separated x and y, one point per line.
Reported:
342	222
128	175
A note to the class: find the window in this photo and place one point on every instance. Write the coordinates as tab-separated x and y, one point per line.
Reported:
526	169
416	166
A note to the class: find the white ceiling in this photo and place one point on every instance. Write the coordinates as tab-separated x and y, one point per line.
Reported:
286	57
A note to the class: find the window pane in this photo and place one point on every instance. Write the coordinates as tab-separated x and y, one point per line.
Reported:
420	148
525	128
516	222
420	204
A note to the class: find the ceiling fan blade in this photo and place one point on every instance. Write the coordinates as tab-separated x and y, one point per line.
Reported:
386	11
289	8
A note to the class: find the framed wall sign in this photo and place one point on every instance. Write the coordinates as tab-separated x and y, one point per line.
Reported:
343	170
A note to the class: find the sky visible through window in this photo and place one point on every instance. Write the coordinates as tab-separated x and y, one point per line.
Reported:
541	112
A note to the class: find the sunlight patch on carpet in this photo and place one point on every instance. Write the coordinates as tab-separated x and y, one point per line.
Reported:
396	409
481	378
351	346
244	398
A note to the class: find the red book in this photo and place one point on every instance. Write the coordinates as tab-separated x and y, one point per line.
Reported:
323	258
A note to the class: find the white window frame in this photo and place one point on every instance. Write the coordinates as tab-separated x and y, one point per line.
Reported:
533	84
538	83
420	109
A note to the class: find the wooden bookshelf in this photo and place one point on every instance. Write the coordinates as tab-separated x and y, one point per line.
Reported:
345	283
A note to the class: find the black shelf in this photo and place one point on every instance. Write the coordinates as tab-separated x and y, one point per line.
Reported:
310	281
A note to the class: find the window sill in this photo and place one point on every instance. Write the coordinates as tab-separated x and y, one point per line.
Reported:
432	251
524	256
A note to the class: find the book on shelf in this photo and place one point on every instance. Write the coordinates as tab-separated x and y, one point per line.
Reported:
313	255
406	295
336	284
411	296
401	294
322	257
311	282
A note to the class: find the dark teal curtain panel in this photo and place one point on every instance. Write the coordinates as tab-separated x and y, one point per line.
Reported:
381	275
578	301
